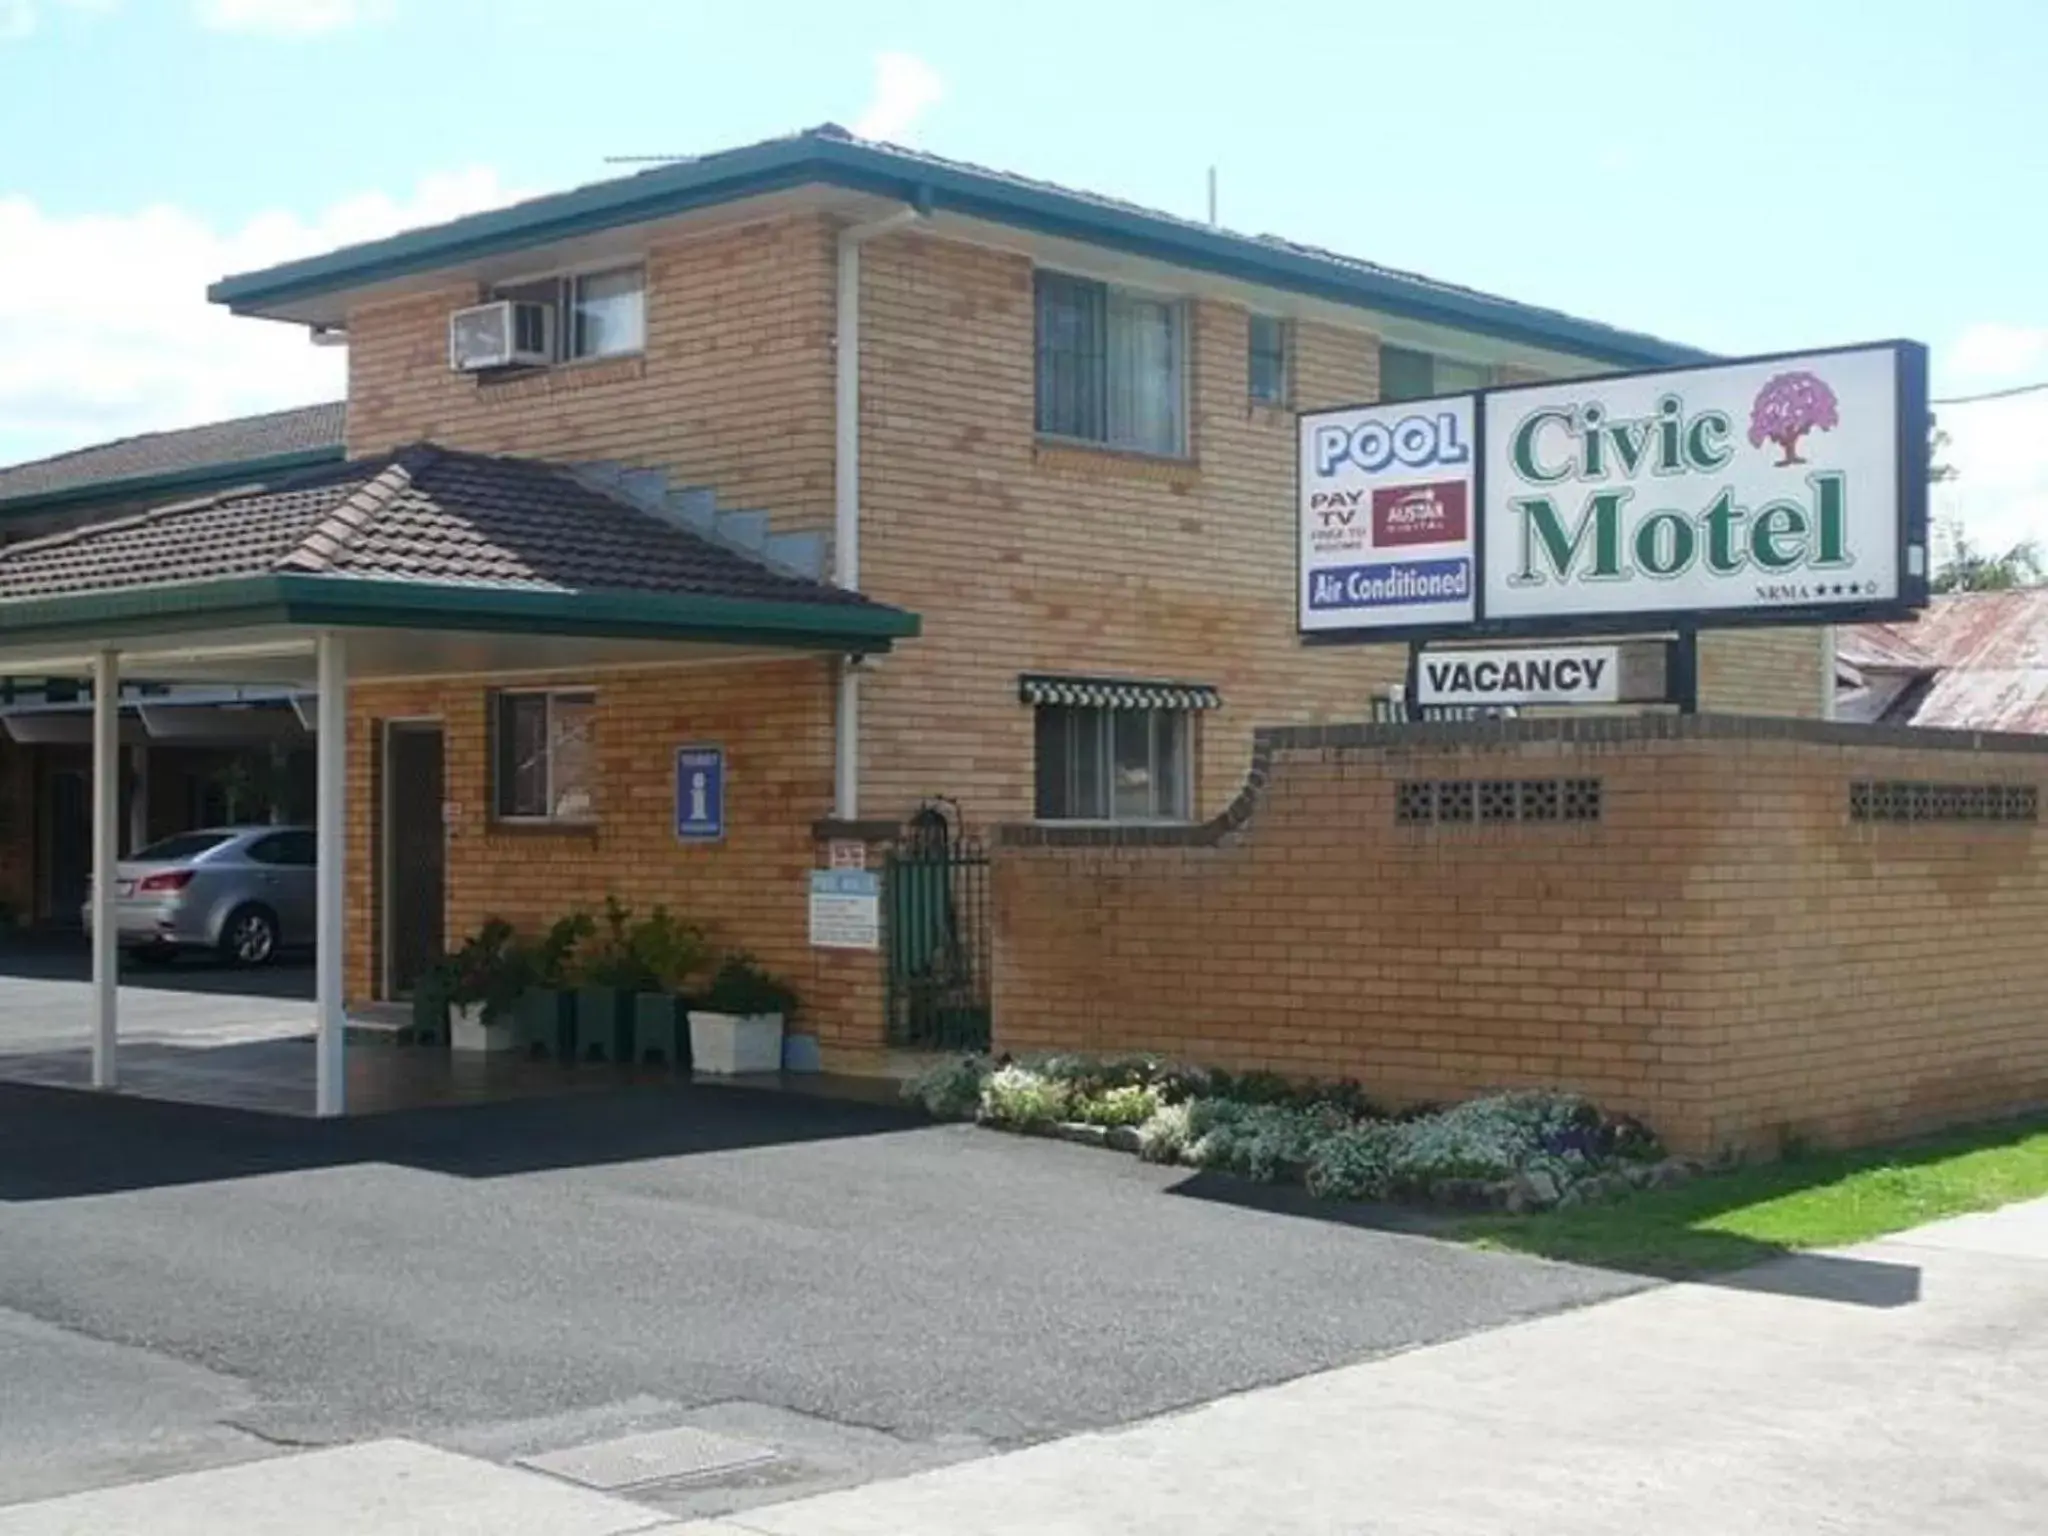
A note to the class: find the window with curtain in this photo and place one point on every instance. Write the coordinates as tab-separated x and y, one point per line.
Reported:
1110	365
543	767
1406	374
1111	764
1266	362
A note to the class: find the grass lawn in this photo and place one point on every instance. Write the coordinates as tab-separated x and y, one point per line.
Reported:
1820	1200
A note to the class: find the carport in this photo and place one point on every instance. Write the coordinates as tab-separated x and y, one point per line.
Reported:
422	563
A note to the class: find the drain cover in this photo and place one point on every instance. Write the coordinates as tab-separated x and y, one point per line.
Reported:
665	1455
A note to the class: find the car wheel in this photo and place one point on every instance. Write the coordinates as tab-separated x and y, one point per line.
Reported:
249	936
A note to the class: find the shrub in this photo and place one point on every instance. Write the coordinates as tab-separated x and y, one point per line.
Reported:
1023	1098
553	959
1488	1138
1164	1137
743	989
952	1089
1354	1164
1260	1141
1127	1105
489	971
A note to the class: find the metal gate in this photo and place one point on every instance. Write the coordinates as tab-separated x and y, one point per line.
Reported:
936	933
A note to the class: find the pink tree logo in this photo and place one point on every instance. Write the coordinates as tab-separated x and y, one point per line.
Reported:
1787	408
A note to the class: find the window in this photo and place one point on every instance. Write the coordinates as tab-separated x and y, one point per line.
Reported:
597	314
1109	764
1408	375
542	757
1109	365
294	848
1267	364
176	850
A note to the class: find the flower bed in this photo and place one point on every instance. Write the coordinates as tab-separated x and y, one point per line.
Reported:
1510	1151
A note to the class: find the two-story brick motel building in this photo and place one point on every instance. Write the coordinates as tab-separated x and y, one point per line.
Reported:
894	479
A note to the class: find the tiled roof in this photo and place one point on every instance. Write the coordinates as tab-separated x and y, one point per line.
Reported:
425	514
217	443
829	155
1986	653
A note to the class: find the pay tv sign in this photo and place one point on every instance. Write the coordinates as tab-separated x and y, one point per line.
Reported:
1775	490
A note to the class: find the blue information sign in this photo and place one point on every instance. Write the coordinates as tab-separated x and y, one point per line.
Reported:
700	794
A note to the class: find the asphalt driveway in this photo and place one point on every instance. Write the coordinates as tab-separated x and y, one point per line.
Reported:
182	1286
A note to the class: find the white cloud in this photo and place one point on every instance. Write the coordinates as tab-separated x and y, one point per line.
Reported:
1995	354
288	18
905	88
105	329
18	17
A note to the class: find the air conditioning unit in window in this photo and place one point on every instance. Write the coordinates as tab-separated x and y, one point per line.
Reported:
508	333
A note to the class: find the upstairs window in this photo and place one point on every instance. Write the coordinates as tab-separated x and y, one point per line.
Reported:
597	314
1111	365
542	759
1266	364
1409	375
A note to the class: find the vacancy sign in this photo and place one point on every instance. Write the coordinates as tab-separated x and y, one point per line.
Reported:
1770	485
1589	674
1386	513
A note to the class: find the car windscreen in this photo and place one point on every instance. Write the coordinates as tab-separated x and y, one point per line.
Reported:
174	850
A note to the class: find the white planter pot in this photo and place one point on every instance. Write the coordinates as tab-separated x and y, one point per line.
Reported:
468	1033
726	1043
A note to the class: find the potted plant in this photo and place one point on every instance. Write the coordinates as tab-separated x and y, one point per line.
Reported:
430	1003
483	981
737	1025
670	954
547	1024
608	974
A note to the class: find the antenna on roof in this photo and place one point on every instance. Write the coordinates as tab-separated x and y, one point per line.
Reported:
1212	197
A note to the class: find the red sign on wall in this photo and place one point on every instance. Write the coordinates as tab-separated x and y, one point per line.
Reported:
1436	513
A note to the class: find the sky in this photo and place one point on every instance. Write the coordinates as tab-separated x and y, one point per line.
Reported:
1745	177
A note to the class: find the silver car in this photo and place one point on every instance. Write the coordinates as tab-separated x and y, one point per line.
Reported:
242	892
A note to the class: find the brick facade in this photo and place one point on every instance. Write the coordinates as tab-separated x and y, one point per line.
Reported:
1725	951
774	721
1020	555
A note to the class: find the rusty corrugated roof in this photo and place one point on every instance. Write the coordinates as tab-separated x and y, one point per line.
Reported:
1986	654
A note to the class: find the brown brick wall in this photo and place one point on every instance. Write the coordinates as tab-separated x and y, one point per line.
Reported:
1725	952
734	390
774	721
1020	555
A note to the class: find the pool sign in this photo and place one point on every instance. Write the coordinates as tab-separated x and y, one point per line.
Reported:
1779	490
1386	516
700	794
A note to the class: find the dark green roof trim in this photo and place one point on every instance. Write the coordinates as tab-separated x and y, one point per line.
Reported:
171	483
348	602
932	185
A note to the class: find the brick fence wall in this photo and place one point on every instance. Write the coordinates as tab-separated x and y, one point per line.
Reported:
1727	950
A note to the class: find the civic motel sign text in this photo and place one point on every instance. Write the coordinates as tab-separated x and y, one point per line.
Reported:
1775	490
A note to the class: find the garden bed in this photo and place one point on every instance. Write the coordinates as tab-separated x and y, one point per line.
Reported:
1515	1152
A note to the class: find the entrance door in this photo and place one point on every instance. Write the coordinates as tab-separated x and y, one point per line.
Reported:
414	853
69	845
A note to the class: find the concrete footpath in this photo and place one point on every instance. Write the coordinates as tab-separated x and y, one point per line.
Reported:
1889	1389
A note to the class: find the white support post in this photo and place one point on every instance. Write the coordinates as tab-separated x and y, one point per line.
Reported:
330	825
846	744
106	833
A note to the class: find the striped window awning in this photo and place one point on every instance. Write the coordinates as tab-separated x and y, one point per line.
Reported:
1115	693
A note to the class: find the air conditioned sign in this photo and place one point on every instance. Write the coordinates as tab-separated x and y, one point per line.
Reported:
1774	490
1386	516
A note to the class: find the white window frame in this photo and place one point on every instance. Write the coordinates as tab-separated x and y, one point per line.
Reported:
1183	335
564	281
548	818
1181	816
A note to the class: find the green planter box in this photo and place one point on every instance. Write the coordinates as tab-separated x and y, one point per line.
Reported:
547	1024
661	1030
604	1024
429	1014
